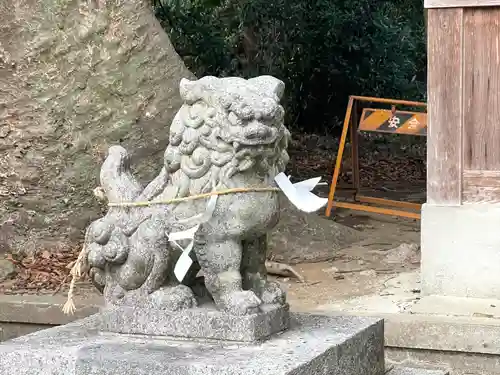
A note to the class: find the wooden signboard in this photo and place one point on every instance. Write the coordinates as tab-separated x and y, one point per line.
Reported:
399	122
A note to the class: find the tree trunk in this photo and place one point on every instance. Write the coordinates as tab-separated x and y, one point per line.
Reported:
76	76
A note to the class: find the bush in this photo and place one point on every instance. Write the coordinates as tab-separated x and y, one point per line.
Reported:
324	50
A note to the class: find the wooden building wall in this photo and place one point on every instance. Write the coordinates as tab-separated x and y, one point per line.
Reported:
463	158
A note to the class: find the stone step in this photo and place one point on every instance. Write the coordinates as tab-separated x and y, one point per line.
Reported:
397	370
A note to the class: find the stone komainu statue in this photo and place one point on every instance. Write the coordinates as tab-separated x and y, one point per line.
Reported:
228	134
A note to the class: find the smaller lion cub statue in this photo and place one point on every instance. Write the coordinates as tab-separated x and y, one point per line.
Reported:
229	134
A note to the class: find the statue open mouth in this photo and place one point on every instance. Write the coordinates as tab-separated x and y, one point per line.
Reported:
251	134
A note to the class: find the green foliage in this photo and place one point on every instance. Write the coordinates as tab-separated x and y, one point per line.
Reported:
324	50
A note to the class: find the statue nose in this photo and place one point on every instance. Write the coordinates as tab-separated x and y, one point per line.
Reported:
257	131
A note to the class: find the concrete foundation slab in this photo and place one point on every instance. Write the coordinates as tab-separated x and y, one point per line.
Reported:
458	363
457	306
461	250
414	371
313	345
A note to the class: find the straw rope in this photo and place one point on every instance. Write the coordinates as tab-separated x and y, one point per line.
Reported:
77	269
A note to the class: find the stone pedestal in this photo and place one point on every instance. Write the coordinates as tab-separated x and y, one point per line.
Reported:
461	250
312	345
203	322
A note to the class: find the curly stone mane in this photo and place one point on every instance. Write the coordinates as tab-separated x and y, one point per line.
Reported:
218	134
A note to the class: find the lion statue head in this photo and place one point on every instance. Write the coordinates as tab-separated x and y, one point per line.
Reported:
226	127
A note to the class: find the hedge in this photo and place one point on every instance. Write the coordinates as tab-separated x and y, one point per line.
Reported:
324	50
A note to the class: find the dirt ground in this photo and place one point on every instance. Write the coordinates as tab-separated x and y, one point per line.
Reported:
390	248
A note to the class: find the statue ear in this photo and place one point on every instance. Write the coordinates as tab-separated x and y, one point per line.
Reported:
203	88
188	90
269	84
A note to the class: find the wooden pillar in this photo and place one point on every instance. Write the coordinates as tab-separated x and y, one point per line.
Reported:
463	156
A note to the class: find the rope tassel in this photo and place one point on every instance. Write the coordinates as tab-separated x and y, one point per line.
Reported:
76	273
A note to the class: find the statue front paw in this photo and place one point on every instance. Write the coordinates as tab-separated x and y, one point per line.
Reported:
242	302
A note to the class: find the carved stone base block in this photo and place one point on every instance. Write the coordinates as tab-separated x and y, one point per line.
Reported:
198	323
312	345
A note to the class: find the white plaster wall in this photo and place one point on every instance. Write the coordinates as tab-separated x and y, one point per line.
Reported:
461	250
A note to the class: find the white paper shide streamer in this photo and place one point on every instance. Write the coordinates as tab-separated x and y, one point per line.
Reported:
299	194
184	262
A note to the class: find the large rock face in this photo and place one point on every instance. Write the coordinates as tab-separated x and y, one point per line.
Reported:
76	76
